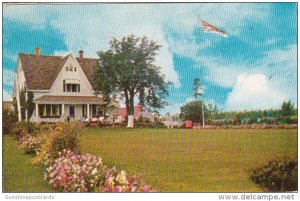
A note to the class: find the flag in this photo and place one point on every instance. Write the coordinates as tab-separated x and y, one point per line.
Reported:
208	28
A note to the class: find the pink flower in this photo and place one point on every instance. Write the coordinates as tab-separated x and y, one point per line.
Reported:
116	189
145	188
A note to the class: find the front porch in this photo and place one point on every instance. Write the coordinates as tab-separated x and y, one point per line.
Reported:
62	108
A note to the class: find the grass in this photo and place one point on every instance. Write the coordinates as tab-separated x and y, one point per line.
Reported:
19	175
173	160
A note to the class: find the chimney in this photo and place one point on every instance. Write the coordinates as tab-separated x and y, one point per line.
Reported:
81	54
37	51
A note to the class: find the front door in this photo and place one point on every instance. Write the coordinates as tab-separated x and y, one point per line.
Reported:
72	112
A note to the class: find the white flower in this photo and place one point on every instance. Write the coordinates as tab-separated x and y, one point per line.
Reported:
95	171
110	181
123	177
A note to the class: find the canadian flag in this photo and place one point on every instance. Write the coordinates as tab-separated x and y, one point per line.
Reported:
208	28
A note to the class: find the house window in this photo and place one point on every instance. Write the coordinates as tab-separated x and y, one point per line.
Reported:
54	110
73	88
50	111
69	88
67	68
75	69
64	85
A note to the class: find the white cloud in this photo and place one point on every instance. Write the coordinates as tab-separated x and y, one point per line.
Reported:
8	77
221	72
6	96
33	15
91	27
253	92
281	64
272	41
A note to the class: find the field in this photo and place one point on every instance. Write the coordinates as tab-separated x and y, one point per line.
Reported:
173	160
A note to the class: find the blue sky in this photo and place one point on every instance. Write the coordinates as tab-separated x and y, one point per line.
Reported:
234	71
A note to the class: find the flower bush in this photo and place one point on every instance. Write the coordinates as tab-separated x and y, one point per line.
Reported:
30	144
87	173
120	182
75	173
64	136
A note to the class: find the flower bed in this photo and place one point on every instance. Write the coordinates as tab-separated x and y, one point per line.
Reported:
86	173
75	173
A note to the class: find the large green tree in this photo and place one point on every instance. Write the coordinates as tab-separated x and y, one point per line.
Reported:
287	111
193	111
128	69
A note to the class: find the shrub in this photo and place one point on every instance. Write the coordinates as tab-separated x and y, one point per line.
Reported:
46	127
277	175
75	173
23	128
9	120
30	144
64	136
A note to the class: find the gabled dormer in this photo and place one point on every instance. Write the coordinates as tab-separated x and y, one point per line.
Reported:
45	74
72	79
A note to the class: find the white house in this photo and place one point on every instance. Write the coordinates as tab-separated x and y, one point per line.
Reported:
62	86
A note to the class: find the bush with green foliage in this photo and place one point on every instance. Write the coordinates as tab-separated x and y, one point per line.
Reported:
9	119
277	175
22	129
61	137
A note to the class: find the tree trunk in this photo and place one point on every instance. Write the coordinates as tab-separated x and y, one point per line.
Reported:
131	110
127	103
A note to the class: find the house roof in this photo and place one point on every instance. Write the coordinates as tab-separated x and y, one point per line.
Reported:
69	99
41	71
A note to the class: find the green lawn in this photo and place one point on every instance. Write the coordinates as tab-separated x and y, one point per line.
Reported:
174	160
19	175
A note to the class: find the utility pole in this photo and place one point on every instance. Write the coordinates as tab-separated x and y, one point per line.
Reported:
197	92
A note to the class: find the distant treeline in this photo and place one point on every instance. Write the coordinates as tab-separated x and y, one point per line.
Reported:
287	114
